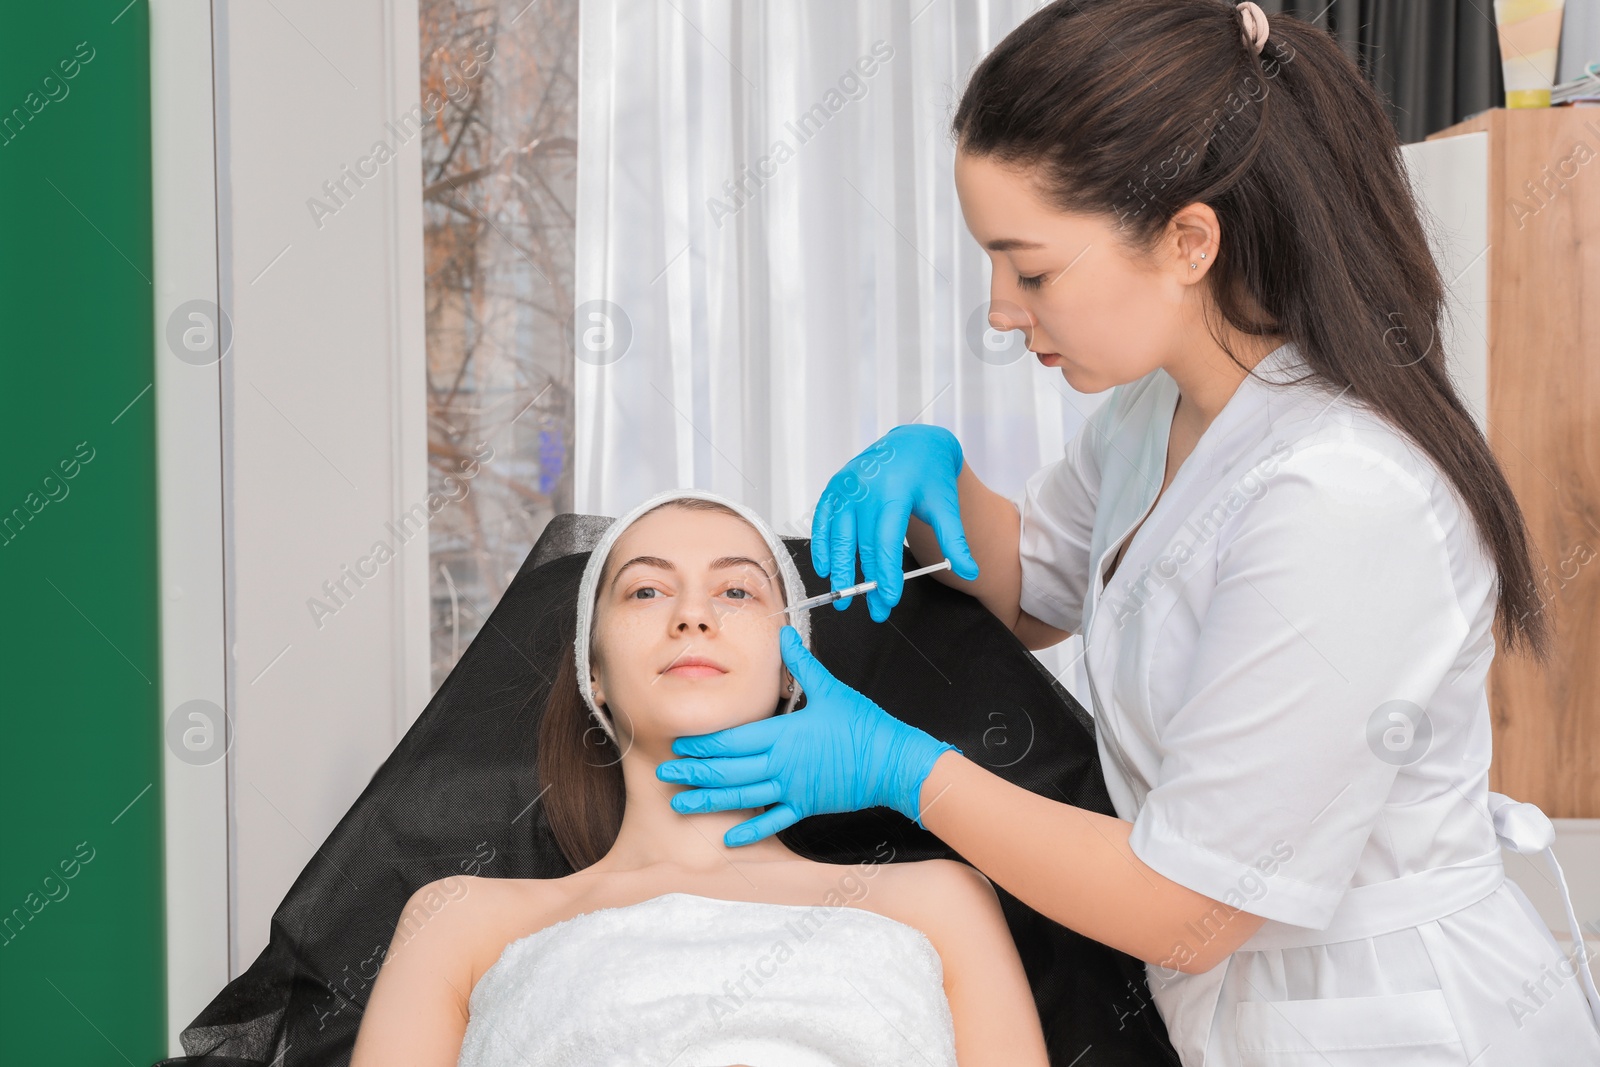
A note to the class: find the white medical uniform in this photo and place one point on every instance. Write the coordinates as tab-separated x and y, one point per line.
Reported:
1287	672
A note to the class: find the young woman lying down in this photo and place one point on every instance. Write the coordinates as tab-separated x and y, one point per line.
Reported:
667	946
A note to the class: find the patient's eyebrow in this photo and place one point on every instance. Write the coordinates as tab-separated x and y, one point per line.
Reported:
666	564
1011	244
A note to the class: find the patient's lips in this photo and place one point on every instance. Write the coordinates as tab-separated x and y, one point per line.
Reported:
694	667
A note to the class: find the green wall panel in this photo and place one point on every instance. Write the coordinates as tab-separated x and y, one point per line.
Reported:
82	973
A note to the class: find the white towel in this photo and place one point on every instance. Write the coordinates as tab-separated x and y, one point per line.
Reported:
692	981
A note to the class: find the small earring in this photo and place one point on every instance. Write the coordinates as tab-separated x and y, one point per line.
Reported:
1194	266
1202	255
791	687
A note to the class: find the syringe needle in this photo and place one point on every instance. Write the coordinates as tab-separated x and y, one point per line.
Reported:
855	590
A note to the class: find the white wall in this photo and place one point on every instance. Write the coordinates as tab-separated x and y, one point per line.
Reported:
324	421
1450	177
1580	38
189	457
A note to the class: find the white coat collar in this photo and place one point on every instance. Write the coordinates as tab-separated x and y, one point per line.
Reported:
1141	444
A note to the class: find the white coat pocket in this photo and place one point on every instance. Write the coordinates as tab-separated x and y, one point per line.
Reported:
1413	1029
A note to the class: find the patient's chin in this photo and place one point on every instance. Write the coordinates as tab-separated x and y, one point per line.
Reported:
690	713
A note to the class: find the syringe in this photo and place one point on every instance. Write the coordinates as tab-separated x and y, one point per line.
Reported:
839	594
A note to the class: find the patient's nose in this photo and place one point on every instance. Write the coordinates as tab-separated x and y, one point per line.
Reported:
701	612
1005	316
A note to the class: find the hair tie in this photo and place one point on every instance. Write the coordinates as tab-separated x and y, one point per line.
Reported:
1255	25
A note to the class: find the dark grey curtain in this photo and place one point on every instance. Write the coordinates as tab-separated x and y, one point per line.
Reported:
1435	61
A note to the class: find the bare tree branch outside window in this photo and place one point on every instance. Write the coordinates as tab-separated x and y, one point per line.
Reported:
499	161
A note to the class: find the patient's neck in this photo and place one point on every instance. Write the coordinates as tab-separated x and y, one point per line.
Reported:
653	833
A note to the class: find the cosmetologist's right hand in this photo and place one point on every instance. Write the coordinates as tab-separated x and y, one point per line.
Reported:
911	470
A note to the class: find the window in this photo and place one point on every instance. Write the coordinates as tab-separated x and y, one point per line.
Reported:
499	160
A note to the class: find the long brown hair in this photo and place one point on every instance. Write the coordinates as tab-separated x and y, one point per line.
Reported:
1132	110
580	767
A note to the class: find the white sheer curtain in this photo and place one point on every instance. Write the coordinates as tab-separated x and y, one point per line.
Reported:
772	268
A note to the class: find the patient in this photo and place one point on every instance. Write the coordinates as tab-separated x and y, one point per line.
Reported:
668	946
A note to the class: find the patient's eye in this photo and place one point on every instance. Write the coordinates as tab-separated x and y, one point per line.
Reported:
747	593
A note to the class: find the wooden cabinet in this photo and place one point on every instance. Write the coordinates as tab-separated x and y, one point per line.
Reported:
1526	340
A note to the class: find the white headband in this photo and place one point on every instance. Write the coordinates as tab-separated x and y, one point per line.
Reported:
794	589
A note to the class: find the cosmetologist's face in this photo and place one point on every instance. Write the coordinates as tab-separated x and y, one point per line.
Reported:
1084	301
680	586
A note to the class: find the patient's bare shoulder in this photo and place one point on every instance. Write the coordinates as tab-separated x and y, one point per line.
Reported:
447	934
469	919
932	895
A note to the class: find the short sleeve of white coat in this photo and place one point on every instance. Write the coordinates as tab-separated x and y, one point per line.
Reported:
1057	506
1333	596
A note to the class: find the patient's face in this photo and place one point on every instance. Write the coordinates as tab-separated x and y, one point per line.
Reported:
681	584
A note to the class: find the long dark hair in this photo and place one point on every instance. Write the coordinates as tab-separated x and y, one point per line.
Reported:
1135	108
580	767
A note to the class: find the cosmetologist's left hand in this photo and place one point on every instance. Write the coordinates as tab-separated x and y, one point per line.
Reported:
841	752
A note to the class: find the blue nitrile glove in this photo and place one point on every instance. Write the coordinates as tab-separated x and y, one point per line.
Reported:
911	470
841	752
